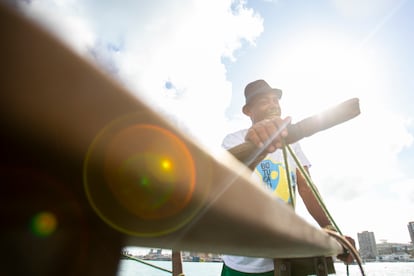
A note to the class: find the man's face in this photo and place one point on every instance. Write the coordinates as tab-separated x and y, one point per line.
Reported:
263	106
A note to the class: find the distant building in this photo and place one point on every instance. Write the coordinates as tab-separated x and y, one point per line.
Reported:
386	248
411	231
394	252
395	257
367	245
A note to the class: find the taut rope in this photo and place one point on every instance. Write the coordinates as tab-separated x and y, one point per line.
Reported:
337	234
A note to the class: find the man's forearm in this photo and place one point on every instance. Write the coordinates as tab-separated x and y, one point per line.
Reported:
311	202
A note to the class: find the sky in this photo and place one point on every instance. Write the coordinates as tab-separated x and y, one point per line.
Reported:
191	59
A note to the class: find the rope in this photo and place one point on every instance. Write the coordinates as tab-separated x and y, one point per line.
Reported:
313	189
348	246
337	234
289	180
146	263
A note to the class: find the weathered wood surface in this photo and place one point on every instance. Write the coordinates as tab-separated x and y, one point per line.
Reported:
67	132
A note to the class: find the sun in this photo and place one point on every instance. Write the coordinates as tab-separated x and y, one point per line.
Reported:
318	70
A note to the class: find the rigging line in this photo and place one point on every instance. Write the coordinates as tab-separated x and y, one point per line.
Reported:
336	234
287	171
146	263
313	189
348	246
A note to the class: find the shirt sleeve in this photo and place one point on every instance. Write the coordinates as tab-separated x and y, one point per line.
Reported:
301	156
233	139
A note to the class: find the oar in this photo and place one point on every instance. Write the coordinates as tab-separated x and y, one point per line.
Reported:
251	155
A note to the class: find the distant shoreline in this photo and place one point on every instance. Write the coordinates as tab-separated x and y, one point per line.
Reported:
191	259
218	260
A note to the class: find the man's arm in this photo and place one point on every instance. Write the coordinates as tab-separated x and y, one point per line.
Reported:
315	209
310	201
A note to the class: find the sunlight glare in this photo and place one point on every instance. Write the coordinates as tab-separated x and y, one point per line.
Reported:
324	67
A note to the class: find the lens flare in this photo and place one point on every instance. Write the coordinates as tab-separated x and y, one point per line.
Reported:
44	224
44	209
148	160
140	179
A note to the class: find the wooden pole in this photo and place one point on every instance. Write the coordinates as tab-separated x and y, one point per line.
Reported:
177	265
56	108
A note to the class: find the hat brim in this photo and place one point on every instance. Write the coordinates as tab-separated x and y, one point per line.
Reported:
253	96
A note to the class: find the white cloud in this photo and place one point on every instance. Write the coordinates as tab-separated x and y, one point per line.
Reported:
64	19
160	41
172	56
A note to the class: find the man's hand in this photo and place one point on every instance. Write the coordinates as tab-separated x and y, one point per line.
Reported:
268	132
347	257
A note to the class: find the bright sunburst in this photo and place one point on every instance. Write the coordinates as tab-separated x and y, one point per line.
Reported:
317	70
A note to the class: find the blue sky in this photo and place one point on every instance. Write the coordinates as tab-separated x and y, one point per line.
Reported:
194	58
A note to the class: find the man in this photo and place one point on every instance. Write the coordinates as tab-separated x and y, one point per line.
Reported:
262	106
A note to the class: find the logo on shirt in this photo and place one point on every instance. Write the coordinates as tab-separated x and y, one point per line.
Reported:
273	175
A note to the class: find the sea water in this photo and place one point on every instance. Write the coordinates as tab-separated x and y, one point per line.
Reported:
134	268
